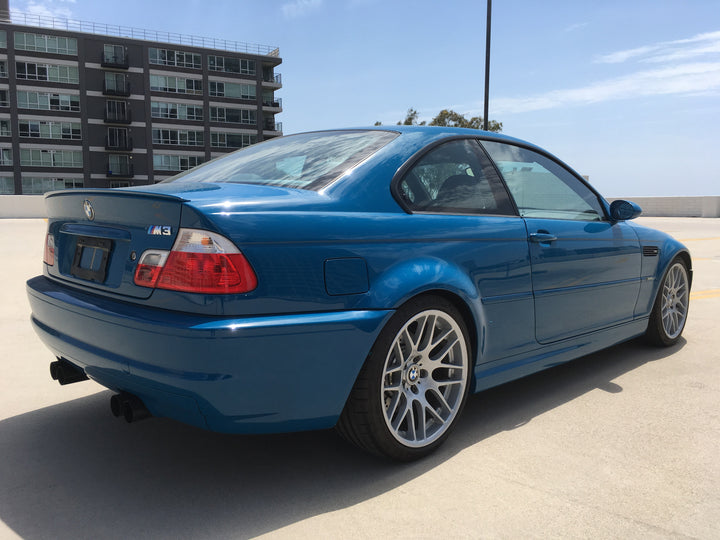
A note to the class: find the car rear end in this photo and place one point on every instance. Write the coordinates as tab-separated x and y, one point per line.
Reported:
134	295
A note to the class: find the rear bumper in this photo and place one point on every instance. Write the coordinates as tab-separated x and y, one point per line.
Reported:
236	375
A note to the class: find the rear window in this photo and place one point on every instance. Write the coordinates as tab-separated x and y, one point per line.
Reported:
305	161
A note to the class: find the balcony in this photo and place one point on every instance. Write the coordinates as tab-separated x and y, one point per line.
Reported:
119	61
274	80
272	126
123	170
118	117
118	144
273	104
116	89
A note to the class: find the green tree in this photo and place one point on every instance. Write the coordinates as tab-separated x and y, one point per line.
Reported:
449	118
411	119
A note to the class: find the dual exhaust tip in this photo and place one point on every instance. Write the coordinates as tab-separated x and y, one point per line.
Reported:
126	405
129	407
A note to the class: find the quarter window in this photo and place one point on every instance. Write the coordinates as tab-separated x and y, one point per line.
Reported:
543	188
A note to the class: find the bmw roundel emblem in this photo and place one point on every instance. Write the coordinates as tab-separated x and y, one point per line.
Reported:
89	210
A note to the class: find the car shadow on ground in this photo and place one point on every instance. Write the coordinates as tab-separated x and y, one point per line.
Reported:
71	470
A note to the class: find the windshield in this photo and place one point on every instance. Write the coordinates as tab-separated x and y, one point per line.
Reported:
305	161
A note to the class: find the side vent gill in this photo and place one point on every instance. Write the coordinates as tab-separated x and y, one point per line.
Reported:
650	251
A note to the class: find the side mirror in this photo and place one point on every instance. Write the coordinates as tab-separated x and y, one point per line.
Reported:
623	210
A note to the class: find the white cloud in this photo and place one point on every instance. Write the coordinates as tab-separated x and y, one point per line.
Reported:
298	8
685	79
575	27
688	67
681	49
45	8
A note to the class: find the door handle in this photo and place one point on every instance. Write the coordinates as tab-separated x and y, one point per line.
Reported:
542	237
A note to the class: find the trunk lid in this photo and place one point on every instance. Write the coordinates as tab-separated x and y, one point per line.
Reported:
100	234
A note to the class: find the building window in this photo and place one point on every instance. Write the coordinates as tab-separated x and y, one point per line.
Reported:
233	116
231	140
117	84
118	139
4	101
45	101
166	57
114	55
179	111
119	165
49	130
5	128
163	162
25	41
37	185
3	69
117	111
119	184
231	65
50	158
6	157
178	137
47	72
7	185
3	39
232	90
178	85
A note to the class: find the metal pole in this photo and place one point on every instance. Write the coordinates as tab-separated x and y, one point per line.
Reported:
487	65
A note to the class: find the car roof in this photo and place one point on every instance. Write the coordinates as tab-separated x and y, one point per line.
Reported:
433	133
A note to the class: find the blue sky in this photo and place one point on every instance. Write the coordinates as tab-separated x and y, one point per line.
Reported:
627	92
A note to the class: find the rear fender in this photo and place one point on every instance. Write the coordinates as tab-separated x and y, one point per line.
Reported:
408	279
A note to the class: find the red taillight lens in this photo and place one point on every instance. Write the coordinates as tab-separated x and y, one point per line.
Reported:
201	262
207	273
49	255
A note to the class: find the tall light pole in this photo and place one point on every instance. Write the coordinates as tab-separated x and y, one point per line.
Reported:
487	65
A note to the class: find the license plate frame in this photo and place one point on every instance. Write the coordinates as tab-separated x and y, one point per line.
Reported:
91	258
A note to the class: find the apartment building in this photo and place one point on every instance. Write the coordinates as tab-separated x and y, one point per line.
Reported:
82	105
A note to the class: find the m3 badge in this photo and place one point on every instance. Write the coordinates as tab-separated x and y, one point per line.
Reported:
159	230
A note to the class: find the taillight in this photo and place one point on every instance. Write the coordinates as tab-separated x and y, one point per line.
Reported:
49	254
200	262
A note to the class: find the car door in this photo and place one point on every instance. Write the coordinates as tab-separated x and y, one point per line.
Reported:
464	214
585	268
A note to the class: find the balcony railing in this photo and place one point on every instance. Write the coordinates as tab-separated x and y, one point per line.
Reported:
117	117
116	89
125	170
115	61
273	126
274	103
274	79
121	144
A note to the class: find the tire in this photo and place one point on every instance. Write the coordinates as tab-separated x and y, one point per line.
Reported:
669	313
414	383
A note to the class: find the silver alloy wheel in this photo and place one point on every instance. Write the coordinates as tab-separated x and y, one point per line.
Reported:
675	300
424	378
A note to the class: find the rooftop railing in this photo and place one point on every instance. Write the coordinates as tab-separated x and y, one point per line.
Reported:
74	25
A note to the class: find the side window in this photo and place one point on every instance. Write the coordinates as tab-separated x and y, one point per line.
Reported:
541	187
455	178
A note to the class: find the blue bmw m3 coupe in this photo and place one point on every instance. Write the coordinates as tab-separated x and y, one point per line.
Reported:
367	279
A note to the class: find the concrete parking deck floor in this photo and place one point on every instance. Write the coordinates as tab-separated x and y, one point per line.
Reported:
623	443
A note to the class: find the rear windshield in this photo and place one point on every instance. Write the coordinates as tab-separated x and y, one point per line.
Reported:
306	161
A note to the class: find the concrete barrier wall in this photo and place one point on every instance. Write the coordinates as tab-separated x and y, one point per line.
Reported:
22	206
678	206
33	206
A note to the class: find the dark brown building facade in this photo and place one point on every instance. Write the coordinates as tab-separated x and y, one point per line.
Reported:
83	109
